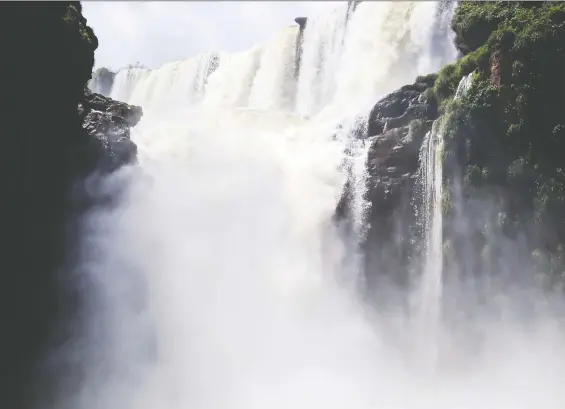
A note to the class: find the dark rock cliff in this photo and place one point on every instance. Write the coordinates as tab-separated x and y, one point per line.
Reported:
52	135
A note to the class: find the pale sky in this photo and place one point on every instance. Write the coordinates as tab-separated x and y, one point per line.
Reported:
154	33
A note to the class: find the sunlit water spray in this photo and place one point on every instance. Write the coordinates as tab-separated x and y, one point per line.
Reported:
430	179
220	281
430	291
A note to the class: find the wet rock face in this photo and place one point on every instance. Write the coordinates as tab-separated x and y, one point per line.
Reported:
400	107
397	126
108	124
393	162
131	114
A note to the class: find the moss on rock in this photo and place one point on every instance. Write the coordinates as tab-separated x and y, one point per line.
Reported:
510	128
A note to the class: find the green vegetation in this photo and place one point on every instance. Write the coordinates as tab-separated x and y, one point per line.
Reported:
450	75
521	31
508	132
417	127
429	79
76	22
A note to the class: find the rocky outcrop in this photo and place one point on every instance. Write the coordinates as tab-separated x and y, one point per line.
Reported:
396	128
404	105
124	113
50	140
399	123
301	21
495	59
108	124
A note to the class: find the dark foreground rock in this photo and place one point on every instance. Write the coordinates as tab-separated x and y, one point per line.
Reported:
52	137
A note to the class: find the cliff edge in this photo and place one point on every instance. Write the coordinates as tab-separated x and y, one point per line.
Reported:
53	134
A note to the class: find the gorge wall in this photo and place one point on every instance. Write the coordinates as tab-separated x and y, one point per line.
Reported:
54	134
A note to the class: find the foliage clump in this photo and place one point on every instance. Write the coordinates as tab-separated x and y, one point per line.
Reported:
75	21
511	133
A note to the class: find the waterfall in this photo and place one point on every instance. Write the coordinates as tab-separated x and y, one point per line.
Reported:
178	82
220	281
274	89
351	54
218	278
102	81
333	86
464	86
431	183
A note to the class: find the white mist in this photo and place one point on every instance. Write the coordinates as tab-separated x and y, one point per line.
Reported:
220	282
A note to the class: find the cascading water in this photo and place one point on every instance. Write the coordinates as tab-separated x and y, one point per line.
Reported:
431	184
220	282
179	81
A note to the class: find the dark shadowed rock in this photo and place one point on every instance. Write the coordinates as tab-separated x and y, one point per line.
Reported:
97	102
301	21
400	107
110	144
47	150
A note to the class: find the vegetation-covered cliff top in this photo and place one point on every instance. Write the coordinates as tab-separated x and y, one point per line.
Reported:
528	34
508	132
